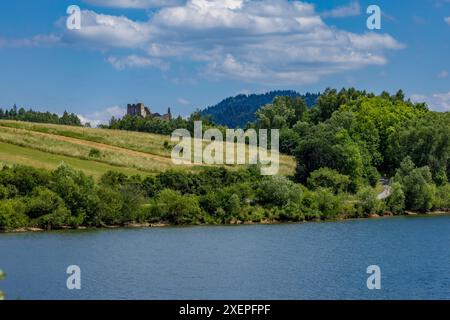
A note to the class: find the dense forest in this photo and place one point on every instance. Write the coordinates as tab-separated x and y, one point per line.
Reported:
30	115
236	112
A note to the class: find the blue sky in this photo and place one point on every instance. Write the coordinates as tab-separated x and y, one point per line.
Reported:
189	54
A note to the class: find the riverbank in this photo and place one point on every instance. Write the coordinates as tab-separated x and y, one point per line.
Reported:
233	223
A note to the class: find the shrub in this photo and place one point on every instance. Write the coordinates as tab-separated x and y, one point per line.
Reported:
328	204
76	189
43	202
113	179
109	208
59	218
175	208
94	153
11	215
396	201
23	179
443	197
175	180
368	202
132	201
278	191
4	192
329	178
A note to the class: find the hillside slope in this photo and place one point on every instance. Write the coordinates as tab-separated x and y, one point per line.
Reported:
93	151
239	110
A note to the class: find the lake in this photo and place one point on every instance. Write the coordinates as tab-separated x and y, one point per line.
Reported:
291	261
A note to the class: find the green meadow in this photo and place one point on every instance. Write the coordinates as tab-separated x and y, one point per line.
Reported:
94	151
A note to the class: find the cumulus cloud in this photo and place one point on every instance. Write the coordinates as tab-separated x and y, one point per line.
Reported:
135	4
436	102
447	20
102	117
266	41
352	9
100	30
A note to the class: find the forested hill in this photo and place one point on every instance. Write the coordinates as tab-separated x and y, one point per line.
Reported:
239	110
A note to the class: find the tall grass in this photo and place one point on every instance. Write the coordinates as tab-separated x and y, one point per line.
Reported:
151	144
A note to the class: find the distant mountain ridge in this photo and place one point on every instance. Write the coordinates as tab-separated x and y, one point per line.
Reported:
239	110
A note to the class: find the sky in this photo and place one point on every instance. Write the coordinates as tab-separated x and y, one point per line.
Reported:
189	54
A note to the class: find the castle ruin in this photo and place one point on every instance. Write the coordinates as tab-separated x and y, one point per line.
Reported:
140	110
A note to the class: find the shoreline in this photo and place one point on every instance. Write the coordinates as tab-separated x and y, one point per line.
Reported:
235	223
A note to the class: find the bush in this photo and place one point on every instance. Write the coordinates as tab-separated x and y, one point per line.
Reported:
175	180
372	176
94	153
368	202
59	218
4	192
417	183
327	204
278	191
43	202
113	179
23	179
109	208
329	178
132	201
76	189
175	208
443	197
396	201
11	215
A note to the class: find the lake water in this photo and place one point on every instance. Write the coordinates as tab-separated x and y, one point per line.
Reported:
295	261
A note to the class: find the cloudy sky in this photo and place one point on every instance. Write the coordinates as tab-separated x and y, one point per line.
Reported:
189	54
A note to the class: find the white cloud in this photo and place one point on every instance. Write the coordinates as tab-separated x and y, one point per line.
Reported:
183	102
443	74
134	61
266	41
100	31
102	117
440	101
436	102
447	19
135	4
352	9
36	41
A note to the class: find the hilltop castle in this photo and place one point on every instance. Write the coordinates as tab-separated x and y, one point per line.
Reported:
140	110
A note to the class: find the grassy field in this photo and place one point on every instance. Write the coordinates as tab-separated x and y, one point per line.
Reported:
94	151
12	154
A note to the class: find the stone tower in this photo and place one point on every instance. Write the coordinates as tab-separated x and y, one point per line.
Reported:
138	109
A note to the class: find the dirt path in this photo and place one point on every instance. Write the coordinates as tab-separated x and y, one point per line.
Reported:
97	145
386	189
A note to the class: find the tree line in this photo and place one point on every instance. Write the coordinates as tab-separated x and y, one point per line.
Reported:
66	198
157	125
20	114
